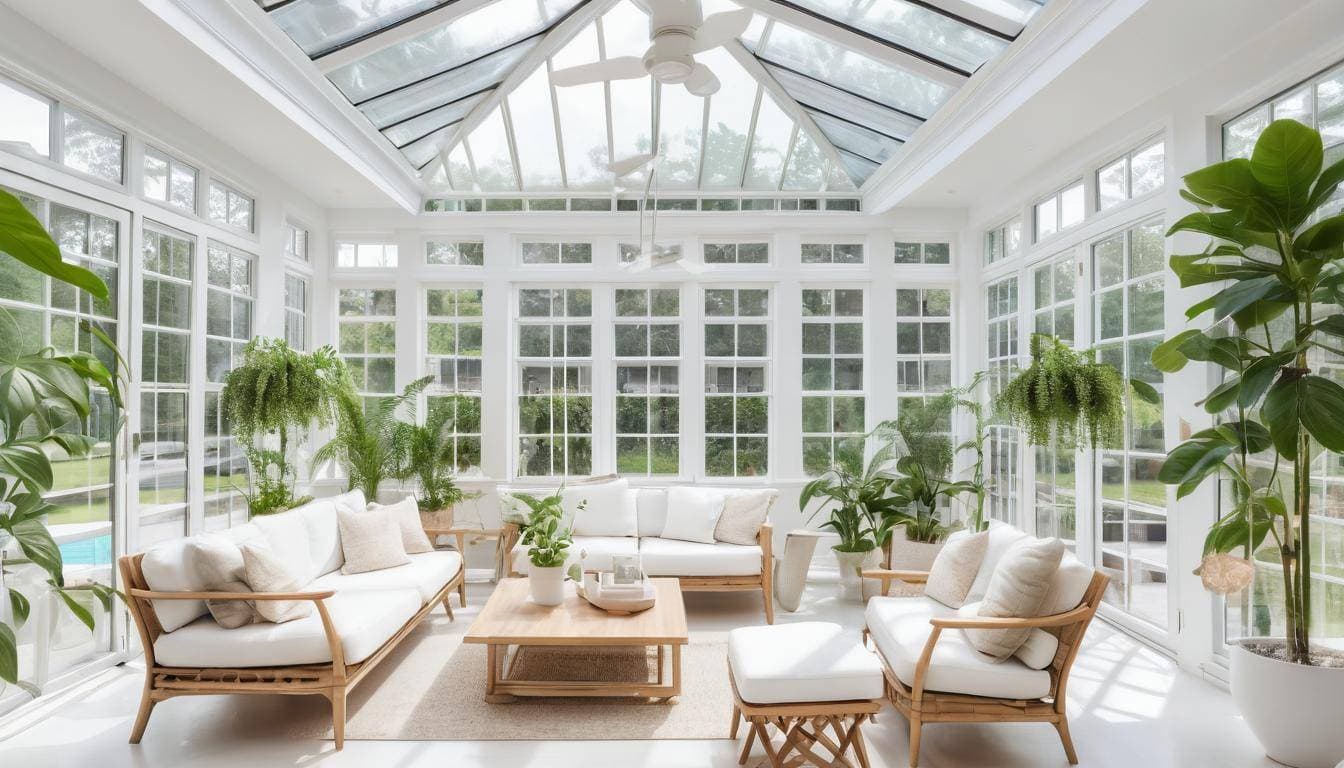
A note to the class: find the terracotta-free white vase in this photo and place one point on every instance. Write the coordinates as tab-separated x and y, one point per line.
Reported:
1296	711
851	584
907	555
547	585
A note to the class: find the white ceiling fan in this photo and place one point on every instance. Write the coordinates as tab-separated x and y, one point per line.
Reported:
677	30
651	252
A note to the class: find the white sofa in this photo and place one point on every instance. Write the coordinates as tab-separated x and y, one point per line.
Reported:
357	621
631	524
934	674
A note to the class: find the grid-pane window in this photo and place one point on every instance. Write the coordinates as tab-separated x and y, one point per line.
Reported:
1060	211
1054	288
833	402
455	253
296	242
1128	278
229	206
453	346
167	267
737	253
554	252
366	255
737	381
169	180
923	341
296	311
650	252
367	337
1004	242
89	145
228	328
906	252
1134	175
1002	356
555	381
647	338
832	253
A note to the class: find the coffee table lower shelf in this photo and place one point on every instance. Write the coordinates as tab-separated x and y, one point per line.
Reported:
500	688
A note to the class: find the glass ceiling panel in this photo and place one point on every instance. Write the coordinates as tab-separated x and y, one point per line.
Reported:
915	28
807	166
318	26
476	34
450	86
837	179
859	169
459	169
680	125
625	31
729	120
533	123
769	145
489	147
421	151
1020	11
583	136
409	130
855	138
823	60
821	97
631	117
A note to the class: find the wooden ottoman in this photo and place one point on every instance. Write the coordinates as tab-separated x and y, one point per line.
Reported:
803	679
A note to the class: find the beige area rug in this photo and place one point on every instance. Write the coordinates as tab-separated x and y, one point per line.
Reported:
432	688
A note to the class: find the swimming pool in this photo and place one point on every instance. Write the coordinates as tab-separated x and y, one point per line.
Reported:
94	551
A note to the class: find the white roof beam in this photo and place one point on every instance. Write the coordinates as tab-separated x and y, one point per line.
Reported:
976	14
399	33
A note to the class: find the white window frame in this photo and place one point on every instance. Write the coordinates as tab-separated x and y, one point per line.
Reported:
551	362
1058	198
171	162
649	361
737	242
1127	169
388	247
561	242
831	393
455	244
772	458
457	320
231	192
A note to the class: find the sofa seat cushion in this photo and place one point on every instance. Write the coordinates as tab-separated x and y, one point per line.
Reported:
900	627
672	557
427	573
600	550
365	619
809	661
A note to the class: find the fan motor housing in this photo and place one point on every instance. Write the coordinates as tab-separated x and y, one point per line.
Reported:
668	58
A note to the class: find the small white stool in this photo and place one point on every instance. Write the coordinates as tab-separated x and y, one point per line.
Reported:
802	678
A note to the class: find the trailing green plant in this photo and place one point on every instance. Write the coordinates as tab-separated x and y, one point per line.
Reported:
1277	259
366	443
855	497
1065	397
543	530
976	486
427	457
45	404
276	391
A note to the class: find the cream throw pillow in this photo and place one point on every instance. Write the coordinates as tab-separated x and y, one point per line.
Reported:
693	513
264	571
370	540
220	568
1016	590
744	512
954	569
407	514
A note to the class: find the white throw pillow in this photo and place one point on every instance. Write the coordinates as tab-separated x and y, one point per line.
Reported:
264	571
406	513
955	567
608	509
744	512
370	540
1067	588
220	568
1016	590
693	513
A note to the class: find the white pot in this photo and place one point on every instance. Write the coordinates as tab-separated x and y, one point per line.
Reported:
909	555
547	585
1294	710
851	585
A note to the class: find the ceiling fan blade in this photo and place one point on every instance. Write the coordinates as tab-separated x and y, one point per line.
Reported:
620	68
701	81
629	165
719	28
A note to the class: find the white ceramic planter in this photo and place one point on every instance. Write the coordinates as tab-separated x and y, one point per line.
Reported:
547	585
909	555
851	585
1294	710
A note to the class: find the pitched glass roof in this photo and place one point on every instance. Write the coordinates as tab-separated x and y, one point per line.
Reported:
815	95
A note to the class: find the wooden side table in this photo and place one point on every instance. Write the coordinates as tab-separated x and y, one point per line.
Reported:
461	535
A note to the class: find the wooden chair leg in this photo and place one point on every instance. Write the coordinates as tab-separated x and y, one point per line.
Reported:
766	593
337	697
737	716
1063	727
147	703
448	606
914	742
462	588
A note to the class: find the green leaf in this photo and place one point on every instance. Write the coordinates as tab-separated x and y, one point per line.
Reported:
1332	325
9	654
28	463
1188	464
24	238
1241	295
1280	412
1325	186
77	608
1321	405
1286	160
1259	376
1324	234
19	607
1145	391
1230	184
1223	395
1168	357
38	546
1191	197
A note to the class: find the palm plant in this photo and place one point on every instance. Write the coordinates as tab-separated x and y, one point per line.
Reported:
427	457
367	444
857	501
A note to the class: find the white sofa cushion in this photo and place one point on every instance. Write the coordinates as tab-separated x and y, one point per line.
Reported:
805	662
955	567
264	571
670	557
352	500
287	536
744	512
651	505
364	619
1017	590
1001	537
406	513
600	550
324	537
426	574
900	626
371	540
169	567
219	564
692	513
609	509
1066	591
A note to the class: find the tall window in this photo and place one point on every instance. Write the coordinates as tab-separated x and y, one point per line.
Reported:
453	357
1060	211
737	381
1004	242
555	381
1001	313
230	207
923	341
367	337
832	253
169	180
366	255
167	259
228	327
455	253
923	253
648	381
296	310
1134	175
833	404
1128	281
1056	466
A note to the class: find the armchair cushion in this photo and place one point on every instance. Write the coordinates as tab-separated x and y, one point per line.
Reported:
219	563
1066	591
371	541
1017	589
1001	537
670	557
426	573
809	661
955	568
406	513
900	627
286	534
324	536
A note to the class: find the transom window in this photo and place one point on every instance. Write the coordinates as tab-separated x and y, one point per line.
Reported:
553	252
833	402
923	253
367	338
1134	175
1004	241
737	253
555	381
737	381
169	180
296	242
1060	211
230	207
455	253
366	255
453	345
832	253
647	330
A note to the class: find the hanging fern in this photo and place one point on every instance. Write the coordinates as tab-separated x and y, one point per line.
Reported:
1065	396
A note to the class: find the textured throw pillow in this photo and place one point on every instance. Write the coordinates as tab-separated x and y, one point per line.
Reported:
744	512
954	568
220	568
406	513
693	513
607	509
1017	589
264	571
370	540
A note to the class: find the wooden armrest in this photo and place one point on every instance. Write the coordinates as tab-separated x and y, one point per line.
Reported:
887	574
995	622
152	595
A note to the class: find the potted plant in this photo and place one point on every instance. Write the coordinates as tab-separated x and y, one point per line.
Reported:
274	392
365	441
921	489
1275	261
856	501
427	458
547	539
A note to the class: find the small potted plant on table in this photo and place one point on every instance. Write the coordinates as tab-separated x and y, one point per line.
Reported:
547	538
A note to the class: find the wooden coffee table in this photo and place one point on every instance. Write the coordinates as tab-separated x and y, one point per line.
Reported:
510	620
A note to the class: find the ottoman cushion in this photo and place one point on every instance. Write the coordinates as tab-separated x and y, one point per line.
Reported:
806	662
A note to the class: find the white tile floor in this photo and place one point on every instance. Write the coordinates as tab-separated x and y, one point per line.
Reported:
1129	706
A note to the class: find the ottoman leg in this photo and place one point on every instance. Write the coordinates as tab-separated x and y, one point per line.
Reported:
746	749
737	720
